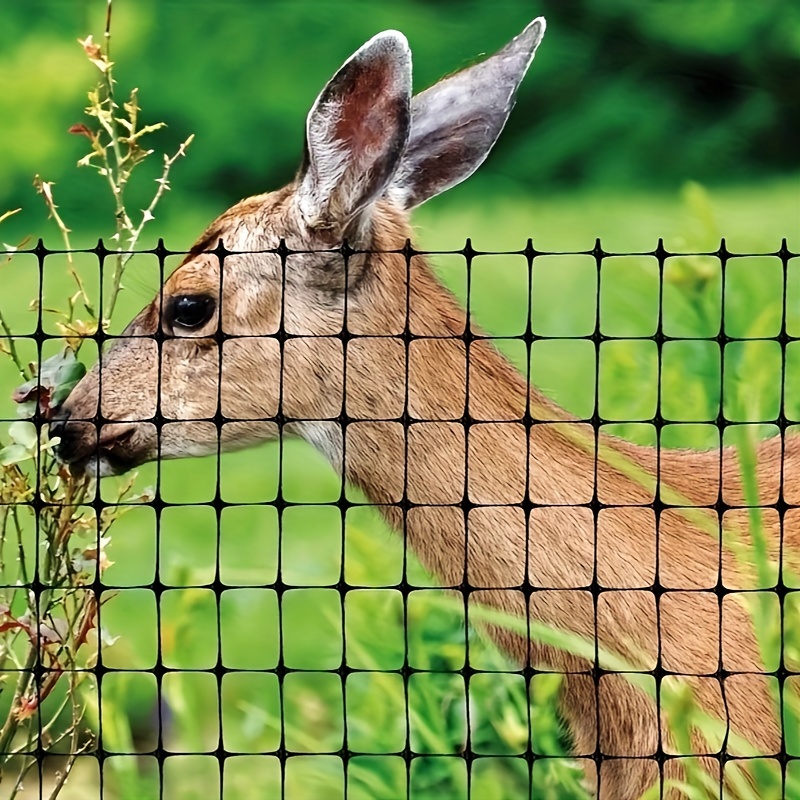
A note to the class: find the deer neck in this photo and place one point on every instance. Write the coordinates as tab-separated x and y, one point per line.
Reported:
435	431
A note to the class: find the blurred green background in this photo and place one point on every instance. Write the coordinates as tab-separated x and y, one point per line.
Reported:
625	97
638	120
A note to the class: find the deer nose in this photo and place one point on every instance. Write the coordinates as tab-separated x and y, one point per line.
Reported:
58	424
75	438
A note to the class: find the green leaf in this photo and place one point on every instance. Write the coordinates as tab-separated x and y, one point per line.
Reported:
24	434
59	374
13	454
68	380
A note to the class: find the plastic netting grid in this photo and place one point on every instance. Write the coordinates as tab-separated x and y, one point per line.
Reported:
343	753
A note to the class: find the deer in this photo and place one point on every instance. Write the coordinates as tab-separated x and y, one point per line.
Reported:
302	312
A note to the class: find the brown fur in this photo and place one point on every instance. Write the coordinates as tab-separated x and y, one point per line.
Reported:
436	462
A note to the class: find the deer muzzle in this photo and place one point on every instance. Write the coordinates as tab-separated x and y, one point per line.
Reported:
98	448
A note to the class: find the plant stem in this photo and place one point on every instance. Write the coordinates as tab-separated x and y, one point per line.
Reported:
45	189
135	233
12	723
163	186
12	348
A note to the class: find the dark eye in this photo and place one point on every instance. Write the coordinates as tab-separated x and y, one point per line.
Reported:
190	310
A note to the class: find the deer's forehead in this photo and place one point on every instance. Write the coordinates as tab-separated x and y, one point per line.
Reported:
254	223
200	275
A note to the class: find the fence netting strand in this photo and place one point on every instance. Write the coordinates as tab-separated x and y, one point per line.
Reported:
395	610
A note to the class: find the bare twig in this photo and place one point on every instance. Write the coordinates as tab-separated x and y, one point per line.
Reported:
147	216
64	774
7	214
12	348
45	189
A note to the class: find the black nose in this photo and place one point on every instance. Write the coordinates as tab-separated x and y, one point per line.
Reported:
60	428
59	423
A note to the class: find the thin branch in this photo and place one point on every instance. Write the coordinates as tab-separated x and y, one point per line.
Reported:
45	189
107	29
147	216
4	217
3	528
163	186
62	777
9	729
24	770
12	348
20	547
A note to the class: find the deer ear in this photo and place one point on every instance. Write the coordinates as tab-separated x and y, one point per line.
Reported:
456	122
356	133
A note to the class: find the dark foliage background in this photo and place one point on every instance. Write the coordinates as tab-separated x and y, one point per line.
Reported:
623	93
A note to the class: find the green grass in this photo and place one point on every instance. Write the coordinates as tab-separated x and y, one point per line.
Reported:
316	627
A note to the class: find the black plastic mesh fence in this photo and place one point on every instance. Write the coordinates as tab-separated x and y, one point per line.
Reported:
261	633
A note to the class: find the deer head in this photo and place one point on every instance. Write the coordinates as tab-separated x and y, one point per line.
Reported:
207	347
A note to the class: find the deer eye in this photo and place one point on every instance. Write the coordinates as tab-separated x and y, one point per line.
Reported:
190	310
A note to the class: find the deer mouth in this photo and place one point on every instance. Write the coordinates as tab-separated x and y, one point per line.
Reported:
80	448
102	463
